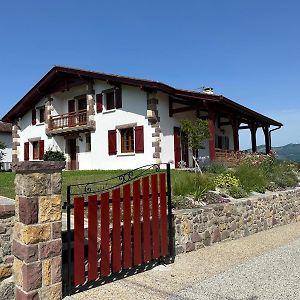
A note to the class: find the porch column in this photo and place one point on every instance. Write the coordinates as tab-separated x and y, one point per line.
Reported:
235	127
253	128
90	103
267	139
211	128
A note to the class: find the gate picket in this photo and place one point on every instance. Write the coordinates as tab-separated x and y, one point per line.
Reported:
163	214
116	231
155	224
127	255
92	238
137	243
79	276
105	240
146	220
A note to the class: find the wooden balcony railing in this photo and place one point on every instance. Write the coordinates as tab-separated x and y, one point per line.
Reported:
68	120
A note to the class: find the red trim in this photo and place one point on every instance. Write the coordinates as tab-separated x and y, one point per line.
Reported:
127	254
137	242
112	142
99	102
139	139
26	151
116	231
33	116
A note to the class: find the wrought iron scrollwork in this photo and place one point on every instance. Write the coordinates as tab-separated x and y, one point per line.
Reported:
108	184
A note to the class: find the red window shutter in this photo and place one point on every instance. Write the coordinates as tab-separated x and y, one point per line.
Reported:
26	151
99	102
139	139
33	117
118	95
112	142
41	150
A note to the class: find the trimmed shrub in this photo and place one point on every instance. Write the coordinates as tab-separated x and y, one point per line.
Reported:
51	155
237	192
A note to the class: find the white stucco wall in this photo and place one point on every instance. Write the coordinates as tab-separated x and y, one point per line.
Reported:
134	110
6	138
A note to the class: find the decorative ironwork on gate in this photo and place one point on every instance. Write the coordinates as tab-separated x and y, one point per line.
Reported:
122	225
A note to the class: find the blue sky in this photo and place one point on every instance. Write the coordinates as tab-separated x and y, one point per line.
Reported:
247	50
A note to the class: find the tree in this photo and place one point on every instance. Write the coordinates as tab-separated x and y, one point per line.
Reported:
2	147
195	132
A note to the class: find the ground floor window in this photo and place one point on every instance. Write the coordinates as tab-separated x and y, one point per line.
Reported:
127	140
35	150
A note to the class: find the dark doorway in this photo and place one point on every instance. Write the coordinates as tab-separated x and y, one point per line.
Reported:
73	154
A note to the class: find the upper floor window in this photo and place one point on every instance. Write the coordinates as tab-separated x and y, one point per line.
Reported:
82	104
42	114
111	99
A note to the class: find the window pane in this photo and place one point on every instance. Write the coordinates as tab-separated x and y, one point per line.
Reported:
42	115
82	104
127	140
110	100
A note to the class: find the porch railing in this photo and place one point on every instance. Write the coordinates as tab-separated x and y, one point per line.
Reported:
68	120
227	155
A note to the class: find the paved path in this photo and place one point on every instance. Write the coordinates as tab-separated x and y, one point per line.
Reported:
274	275
260	266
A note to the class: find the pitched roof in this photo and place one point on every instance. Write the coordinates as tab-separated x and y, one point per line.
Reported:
58	76
5	127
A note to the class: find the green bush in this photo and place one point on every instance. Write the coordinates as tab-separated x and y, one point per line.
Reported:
226	180
237	192
216	167
251	178
51	155
184	183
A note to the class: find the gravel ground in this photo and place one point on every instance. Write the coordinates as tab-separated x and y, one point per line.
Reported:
198	266
272	276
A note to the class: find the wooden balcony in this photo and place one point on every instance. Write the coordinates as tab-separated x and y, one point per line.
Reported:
75	121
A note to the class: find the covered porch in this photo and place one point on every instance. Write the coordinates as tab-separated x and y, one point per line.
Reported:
225	119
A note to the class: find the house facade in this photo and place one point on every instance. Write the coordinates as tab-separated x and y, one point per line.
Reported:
6	138
103	121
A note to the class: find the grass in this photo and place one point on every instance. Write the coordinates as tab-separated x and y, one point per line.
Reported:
7	186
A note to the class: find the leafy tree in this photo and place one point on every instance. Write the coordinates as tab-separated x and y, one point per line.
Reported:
2	147
195	132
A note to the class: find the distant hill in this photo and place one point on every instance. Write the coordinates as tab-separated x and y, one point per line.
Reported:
287	152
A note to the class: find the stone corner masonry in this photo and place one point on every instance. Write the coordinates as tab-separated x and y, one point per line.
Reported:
37	242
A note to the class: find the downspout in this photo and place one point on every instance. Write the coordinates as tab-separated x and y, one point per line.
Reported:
278	127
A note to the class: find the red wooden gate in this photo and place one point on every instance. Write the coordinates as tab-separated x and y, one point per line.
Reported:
120	224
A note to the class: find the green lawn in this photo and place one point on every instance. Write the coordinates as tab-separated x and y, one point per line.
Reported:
7	188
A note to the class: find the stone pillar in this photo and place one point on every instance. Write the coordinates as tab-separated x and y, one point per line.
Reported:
7	219
37	243
211	127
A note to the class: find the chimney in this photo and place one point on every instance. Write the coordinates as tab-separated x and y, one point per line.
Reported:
208	90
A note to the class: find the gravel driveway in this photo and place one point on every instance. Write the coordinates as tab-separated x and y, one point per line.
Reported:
260	266
273	276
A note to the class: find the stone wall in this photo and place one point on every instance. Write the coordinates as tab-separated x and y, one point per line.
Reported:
7	219
197	228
